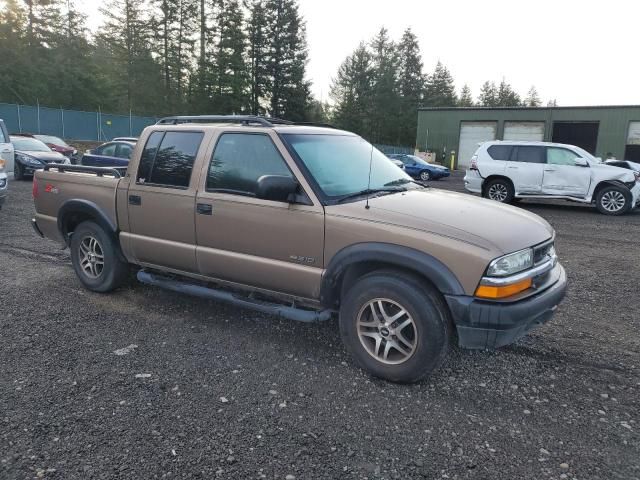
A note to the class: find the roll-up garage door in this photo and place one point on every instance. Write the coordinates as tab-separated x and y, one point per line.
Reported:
471	134
524	131
632	150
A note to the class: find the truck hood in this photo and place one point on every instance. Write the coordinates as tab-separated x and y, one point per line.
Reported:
604	171
484	223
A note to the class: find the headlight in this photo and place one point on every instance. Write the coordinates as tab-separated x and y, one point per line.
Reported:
29	160
510	264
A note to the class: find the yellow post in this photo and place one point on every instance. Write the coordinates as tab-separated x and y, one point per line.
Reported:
453	158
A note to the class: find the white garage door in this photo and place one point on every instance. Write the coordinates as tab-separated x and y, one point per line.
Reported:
471	134
524	131
634	134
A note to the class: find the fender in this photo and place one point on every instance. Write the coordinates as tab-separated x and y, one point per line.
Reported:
84	208
613	182
404	257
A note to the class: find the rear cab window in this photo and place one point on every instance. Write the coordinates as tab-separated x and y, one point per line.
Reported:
168	157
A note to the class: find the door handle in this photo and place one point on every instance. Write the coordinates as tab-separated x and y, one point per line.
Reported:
549	169
514	168
204	209
135	200
6	151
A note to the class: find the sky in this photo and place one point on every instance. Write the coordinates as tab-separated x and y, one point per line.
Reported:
577	52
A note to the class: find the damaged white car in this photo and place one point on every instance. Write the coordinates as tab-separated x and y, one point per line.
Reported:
507	171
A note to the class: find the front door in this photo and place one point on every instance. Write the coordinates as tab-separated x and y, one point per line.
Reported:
562	176
161	201
266	244
526	169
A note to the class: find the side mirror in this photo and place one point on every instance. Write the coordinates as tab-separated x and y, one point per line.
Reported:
581	162
278	188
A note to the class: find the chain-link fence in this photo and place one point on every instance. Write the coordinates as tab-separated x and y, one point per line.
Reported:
71	124
390	149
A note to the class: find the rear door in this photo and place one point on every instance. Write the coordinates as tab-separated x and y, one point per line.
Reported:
161	201
562	176
526	168
266	244
6	148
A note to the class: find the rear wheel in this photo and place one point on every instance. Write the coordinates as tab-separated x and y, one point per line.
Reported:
499	190
18	171
613	200
395	327
96	259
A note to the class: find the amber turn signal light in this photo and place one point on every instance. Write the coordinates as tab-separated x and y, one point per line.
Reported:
503	291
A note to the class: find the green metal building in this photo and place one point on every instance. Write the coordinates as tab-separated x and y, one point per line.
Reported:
605	131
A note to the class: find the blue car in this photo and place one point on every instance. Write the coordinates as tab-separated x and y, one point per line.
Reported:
418	168
110	154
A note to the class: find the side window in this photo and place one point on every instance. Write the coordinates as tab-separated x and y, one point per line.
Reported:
108	150
175	157
561	156
240	159
124	151
148	156
500	152
530	154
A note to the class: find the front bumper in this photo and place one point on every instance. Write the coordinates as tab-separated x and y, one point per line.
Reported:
4	187
486	325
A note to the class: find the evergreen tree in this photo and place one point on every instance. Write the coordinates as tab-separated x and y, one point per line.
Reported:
232	79
128	67
532	99
385	108
466	99
352	92
488	95
257	53
411	85
440	90
289	93
507	97
14	84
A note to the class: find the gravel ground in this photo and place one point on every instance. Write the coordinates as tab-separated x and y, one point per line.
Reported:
147	384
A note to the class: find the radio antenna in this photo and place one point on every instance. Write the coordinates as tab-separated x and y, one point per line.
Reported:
369	182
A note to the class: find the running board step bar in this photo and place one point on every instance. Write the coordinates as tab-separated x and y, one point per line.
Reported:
282	311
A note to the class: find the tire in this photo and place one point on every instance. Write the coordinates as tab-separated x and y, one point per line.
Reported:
89	244
500	190
18	171
425	175
425	339
613	200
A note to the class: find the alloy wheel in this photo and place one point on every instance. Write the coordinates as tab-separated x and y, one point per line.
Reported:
498	192
425	176
91	256
613	201
387	331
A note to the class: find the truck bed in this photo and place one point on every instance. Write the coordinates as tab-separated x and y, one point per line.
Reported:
58	184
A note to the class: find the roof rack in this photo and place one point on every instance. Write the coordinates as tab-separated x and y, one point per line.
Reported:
241	119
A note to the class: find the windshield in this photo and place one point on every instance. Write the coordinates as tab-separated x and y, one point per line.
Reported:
417	160
28	144
52	139
340	163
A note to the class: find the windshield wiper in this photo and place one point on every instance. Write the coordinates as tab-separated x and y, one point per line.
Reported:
403	181
371	191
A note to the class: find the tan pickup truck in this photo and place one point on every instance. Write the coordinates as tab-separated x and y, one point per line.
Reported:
305	222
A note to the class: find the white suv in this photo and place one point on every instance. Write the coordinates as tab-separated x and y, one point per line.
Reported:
6	161
506	171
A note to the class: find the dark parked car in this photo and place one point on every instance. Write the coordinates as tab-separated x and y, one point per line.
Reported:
31	154
54	143
110	154
418	168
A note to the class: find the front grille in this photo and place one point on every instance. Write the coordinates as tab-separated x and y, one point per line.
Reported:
541	252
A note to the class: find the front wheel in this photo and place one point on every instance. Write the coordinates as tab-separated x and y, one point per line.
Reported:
18	171
613	200
96	258
425	176
395	327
